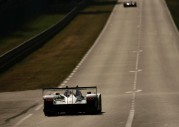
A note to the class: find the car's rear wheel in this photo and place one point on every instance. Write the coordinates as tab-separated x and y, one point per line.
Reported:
98	107
48	113
100	104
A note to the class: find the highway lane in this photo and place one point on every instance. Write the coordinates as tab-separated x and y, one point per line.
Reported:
157	105
134	65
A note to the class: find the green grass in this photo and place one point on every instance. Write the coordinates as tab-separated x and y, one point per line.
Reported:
51	64
173	5
27	31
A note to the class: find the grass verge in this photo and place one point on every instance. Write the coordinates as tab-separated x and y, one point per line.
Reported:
173	6
28	30
51	64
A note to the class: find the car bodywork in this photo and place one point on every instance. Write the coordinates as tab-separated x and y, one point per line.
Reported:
71	100
130	4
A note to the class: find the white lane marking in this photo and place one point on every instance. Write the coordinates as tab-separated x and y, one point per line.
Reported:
136	91
132	111
130	118
137	60
70	76
65	82
90	50
134	51
22	120
39	107
139	70
68	79
132	108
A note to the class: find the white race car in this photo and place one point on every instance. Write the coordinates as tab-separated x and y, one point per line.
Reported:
130	4
71	100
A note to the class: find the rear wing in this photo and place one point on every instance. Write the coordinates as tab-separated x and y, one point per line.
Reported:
46	91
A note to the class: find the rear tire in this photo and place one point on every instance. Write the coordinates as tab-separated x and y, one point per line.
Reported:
46	113
99	104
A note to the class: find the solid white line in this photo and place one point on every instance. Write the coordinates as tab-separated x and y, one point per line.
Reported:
22	120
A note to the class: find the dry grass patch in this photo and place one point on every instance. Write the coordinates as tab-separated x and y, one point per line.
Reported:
52	63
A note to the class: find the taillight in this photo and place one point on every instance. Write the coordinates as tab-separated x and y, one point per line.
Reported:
90	98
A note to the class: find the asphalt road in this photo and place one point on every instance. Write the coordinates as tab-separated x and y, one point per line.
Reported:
134	64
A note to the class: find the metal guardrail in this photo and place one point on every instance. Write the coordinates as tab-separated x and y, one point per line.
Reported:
11	57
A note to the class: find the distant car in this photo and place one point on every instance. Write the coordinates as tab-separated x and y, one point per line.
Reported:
71	100
130	4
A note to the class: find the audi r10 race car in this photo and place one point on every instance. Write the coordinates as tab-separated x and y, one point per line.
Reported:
71	100
130	4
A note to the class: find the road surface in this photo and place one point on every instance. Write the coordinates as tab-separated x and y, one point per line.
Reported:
134	64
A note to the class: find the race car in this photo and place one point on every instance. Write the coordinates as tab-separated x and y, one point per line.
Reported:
130	4
71	100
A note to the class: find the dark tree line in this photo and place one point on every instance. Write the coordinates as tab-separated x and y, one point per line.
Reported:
13	13
174	9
